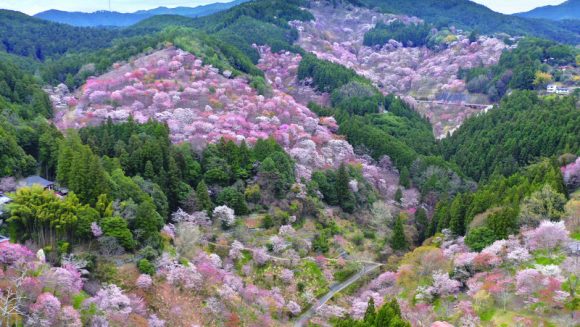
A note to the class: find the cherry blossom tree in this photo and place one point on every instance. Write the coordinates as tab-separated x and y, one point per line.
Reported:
113	301
260	256
45	311
225	214
294	308
70	317
96	230
144	281
548	236
154	321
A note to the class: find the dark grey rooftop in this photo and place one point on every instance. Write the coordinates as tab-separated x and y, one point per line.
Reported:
35	180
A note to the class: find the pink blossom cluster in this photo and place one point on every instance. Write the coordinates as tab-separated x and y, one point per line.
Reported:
571	173
443	285
144	281
379	288
96	230
113	301
209	273
11	252
282	72
44	294
534	286
548	236
337	35
201	106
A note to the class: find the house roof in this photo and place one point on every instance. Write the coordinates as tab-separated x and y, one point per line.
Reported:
35	180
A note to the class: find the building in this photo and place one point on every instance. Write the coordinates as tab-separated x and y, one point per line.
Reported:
36	180
563	91
553	88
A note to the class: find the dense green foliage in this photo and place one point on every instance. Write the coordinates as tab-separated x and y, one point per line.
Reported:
408	35
74	68
470	15
256	22
401	133
39	39
334	185
24	108
388	315
493	211
508	137
41	216
224	39
21	94
139	147
517	68
398	241
325	75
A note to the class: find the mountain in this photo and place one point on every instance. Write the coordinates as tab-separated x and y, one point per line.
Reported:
113	18
39	39
470	15
241	168
567	10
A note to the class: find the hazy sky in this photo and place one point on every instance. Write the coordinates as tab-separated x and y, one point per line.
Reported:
34	6
514	6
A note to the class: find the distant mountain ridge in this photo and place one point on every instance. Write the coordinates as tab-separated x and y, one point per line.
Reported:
469	15
118	19
567	10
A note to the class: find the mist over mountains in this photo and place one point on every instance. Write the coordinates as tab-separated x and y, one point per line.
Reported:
567	10
118	19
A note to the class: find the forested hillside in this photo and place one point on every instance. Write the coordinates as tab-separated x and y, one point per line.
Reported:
473	16
567	10
532	65
37	39
508	138
105	18
270	165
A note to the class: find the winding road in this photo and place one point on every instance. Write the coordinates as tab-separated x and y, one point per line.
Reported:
368	267
305	317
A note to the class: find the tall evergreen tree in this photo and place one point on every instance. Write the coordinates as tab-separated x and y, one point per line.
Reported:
173	184
457	216
148	222
399	195
398	240
405	179
149	172
343	193
202	197
422	224
370	313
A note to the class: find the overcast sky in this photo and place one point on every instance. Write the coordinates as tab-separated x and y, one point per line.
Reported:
34	6
514	6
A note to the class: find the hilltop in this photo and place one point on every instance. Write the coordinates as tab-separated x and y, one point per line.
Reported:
118	19
567	10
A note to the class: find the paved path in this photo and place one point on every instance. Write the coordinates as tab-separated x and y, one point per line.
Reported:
305	317
450	103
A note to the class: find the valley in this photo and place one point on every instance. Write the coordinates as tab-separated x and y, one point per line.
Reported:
288	163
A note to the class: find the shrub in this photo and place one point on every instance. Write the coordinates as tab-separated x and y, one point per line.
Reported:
146	267
479	238
117	227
